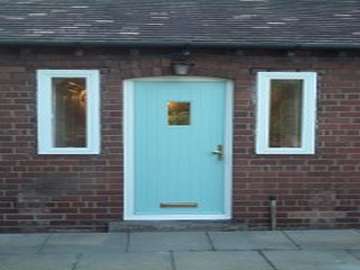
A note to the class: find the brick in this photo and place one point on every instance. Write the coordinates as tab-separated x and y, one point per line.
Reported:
313	191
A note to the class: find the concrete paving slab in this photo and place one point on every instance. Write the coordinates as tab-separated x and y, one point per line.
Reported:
265	240
21	243
78	243
37	262
125	261
211	260
326	239
313	260
165	241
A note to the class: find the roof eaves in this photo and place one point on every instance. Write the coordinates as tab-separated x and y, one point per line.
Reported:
139	44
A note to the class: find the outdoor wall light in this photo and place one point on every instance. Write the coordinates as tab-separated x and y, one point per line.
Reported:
181	68
181	62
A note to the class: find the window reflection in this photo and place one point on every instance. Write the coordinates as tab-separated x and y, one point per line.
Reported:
286	113
69	97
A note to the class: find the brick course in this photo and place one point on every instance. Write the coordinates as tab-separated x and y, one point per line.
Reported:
49	193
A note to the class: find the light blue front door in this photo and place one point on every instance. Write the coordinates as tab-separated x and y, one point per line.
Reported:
178	124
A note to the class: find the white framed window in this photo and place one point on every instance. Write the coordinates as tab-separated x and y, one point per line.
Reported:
286	113
68	105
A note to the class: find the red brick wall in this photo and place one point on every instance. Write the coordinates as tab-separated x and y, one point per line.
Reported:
85	192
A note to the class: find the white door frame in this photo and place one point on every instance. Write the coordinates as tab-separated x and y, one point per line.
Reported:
128	139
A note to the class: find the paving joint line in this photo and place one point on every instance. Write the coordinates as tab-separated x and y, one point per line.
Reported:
43	244
172	260
3	266
127	245
348	251
291	240
75	265
269	262
217	250
211	242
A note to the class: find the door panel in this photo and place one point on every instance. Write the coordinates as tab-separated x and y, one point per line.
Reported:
175	171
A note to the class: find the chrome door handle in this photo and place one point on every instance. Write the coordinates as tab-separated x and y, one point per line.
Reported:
219	152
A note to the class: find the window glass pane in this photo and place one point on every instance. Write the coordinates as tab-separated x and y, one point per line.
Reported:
286	113
178	113
69	107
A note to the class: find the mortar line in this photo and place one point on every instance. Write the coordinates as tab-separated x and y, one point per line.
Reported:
291	240
211	243
44	243
262	254
172	260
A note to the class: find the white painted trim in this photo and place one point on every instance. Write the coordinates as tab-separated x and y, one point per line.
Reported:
128	138
129	166
263	113
177	79
45	112
228	147
177	217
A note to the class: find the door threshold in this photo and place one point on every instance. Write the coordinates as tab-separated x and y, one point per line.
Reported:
178	225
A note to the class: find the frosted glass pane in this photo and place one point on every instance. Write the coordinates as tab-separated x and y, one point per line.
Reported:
179	113
286	113
69	107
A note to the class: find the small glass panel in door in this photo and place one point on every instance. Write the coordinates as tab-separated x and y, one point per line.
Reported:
179	113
